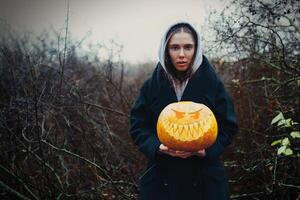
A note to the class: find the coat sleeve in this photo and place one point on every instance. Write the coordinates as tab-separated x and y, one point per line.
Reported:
142	130
226	118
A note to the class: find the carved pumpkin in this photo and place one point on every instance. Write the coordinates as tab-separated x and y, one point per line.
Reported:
187	126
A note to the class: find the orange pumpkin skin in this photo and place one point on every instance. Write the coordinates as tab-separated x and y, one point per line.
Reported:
187	126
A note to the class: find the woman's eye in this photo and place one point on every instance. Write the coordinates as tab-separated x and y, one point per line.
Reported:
189	47
174	47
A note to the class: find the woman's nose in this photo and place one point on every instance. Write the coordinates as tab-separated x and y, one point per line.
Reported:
181	53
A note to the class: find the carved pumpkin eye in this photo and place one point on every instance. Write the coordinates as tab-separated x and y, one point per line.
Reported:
179	114
195	115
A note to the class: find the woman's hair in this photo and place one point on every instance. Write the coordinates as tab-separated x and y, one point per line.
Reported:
180	27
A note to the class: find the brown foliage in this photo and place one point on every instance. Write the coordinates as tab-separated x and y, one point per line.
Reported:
260	64
64	135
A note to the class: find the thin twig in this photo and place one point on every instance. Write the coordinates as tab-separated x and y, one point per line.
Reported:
108	180
80	157
20	180
65	46
9	189
106	109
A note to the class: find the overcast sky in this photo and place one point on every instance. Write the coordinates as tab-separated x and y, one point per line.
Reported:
137	24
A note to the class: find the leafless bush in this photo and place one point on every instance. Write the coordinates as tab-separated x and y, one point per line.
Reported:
64	135
260	63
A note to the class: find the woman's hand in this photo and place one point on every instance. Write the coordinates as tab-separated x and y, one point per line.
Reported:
181	154
200	153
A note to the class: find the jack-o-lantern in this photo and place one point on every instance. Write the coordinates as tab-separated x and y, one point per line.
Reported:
187	126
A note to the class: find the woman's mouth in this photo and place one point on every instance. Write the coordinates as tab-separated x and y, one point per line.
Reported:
181	63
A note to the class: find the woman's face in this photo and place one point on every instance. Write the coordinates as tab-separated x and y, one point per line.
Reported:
181	49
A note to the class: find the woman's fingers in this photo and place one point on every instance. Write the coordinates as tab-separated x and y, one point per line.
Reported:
181	154
162	147
185	154
201	153
178	153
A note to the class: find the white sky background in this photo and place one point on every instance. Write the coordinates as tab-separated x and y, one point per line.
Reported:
136	24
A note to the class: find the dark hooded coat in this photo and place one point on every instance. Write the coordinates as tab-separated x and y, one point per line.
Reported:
174	178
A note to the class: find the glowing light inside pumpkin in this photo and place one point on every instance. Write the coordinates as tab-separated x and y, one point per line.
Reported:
187	126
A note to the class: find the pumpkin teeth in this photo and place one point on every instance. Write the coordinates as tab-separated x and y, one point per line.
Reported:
192	132
189	136
195	126
191	127
175	127
175	130
180	127
186	127
184	135
200	130
196	133
176	134
168	126
187	132
170	129
206	125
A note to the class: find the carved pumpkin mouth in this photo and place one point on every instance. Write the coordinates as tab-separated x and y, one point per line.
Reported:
187	132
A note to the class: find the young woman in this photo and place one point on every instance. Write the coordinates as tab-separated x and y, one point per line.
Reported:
182	74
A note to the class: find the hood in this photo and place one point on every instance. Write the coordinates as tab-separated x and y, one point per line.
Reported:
198	56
